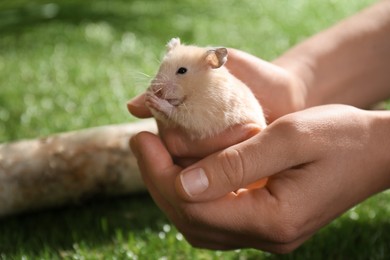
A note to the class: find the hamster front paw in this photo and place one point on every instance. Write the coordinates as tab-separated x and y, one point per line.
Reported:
158	104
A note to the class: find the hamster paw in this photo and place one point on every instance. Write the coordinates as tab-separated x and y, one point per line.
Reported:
158	104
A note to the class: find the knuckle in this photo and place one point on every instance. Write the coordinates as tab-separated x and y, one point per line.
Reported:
286	234
293	132
232	165
289	127
282	231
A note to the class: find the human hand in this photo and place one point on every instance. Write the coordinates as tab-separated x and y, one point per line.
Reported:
320	162
278	90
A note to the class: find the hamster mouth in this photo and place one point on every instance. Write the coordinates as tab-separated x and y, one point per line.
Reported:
171	100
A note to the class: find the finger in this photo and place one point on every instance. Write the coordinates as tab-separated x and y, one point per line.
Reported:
274	87
168	209
277	148
251	213
185	161
222	240
181	145
254	218
244	65
144	145
136	107
155	161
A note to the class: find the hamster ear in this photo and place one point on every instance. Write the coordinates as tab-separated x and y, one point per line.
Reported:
173	43
216	57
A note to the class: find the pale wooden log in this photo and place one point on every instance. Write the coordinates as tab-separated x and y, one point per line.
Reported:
69	167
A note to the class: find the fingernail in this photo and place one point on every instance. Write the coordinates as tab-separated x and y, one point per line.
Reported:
194	181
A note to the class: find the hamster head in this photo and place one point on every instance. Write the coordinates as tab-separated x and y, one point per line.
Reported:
184	70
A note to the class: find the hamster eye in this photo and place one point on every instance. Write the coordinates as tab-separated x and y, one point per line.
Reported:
181	70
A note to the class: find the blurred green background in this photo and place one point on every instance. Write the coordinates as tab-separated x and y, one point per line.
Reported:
71	64
67	65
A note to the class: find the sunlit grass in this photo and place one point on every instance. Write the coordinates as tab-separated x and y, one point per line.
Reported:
70	64
73	64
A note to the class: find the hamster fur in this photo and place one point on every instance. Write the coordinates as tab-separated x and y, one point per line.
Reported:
195	91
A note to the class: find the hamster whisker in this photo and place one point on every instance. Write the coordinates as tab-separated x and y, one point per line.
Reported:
159	80
159	86
143	74
158	83
158	90
165	77
185	108
158	60
139	78
170	113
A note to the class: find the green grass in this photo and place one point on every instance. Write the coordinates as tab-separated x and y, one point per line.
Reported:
73	64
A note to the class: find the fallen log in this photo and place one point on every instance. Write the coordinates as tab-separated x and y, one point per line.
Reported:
69	167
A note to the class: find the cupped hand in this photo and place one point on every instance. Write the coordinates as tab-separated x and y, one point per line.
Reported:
278	90
320	162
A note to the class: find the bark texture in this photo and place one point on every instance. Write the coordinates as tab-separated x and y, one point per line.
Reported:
69	167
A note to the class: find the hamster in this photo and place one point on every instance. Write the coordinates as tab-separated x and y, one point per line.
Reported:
195	91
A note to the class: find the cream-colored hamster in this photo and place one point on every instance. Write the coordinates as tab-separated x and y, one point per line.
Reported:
194	90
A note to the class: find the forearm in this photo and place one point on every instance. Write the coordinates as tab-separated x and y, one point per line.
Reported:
348	63
379	149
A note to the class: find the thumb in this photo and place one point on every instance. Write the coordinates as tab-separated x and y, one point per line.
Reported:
238	166
136	107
